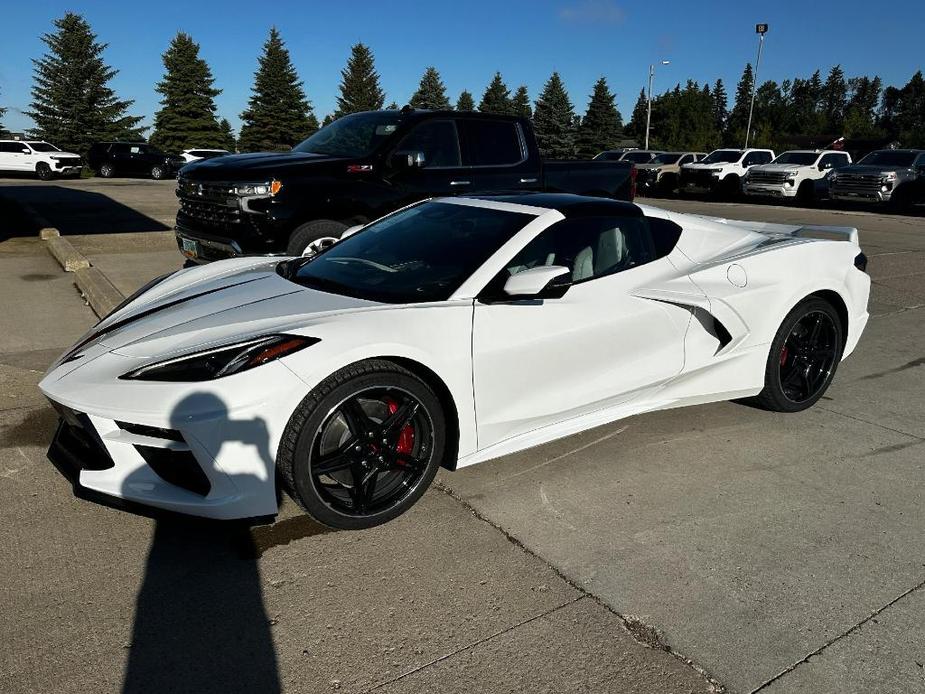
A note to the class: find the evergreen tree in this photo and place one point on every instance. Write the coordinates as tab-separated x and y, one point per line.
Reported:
834	101
720	106
187	117
602	126
392	107
359	86
520	102
738	116
431	92
329	118
228	140
554	121
278	114
72	103
637	125
910	112
465	102
497	97
861	111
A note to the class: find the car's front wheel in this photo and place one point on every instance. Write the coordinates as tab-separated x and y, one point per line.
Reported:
158	172
107	171
804	356
43	171
363	446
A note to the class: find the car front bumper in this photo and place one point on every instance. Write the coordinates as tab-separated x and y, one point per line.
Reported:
860	194
770	190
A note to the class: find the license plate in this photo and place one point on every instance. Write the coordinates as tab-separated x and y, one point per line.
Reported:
190	247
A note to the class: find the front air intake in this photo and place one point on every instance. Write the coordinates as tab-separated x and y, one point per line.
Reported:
179	468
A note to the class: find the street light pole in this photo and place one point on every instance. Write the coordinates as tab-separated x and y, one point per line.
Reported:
761	30
649	100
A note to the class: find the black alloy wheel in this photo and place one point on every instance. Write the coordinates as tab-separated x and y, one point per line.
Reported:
363	446
803	358
106	171
43	171
157	172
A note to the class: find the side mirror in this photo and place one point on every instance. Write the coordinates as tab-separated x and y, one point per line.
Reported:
351	231
26	150
408	160
544	282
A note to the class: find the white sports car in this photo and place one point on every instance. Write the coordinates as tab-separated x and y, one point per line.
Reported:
450	332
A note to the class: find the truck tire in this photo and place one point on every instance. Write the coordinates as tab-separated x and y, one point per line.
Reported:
667	185
106	170
318	233
806	193
43	171
158	172
731	187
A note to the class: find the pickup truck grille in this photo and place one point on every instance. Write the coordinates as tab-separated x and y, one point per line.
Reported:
767	177
210	214
208	205
61	162
856	185
697	177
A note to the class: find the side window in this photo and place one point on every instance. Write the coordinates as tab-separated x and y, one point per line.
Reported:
438	141
686	159
750	159
6	147
921	160
120	149
833	161
492	143
594	247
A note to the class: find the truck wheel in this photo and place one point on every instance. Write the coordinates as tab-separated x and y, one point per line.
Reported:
806	194
901	200
667	185
158	172
43	171
106	171
318	234
731	187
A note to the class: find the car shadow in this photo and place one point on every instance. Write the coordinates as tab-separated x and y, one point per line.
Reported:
200	622
76	211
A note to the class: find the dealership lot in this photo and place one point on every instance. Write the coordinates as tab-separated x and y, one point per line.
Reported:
777	552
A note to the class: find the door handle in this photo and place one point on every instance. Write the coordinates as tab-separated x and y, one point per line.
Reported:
528	180
459	183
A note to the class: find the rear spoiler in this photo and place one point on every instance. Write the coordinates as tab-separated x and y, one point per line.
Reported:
806	231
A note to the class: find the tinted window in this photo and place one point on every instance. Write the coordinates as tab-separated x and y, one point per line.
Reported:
686	159
608	156
757	158
832	161
10	147
43	147
638	157
356	135
120	149
798	158
420	254
724	156
888	157
437	140
492	143
596	246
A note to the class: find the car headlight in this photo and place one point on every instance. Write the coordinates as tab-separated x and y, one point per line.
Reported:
833	177
888	176
222	361
793	174
716	172
271	188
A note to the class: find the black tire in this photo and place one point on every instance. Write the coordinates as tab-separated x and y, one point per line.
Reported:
806	193
106	170
43	171
158	172
667	185
312	232
376	475
803	358
901	199
731	187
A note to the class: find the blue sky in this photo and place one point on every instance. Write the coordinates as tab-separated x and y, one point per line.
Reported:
468	41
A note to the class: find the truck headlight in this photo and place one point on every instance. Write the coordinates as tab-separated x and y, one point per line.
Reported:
792	174
270	188
221	361
888	177
716	172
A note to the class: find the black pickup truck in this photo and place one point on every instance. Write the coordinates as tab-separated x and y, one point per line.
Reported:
361	167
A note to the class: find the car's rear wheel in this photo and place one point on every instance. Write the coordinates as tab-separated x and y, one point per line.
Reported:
804	356
316	235
158	172
107	171
43	171
363	446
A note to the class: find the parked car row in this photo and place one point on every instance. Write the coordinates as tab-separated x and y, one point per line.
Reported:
106	159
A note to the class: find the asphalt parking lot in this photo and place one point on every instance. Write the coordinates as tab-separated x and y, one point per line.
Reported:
775	553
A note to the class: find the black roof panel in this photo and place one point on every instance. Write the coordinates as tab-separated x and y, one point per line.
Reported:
569	204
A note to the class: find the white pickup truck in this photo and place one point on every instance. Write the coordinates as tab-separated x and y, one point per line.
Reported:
41	158
721	171
793	174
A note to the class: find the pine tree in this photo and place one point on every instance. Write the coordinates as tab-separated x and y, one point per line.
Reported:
392	107
431	93
554	121
329	118
72	104
602	126
520	102
187	117
834	100
720	106
359	86
228	139
637	125
910	112
738	117
861	111
278	114
497	97
465	102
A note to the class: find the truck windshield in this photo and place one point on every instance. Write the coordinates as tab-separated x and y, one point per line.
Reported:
888	157
667	158
798	158
423	253
638	157
356	135
722	156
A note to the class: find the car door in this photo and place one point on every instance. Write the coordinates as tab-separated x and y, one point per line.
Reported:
441	171
16	156
120	156
538	362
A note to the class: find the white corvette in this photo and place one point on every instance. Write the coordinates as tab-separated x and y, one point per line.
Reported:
448	333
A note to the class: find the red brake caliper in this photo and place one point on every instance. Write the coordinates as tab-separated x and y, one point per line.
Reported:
406	437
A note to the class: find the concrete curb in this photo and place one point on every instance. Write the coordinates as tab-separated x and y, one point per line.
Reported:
99	292
68	256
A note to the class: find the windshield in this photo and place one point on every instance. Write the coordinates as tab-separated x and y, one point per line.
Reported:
420	254
43	147
667	158
608	156
724	156
798	158
888	157
638	157
356	135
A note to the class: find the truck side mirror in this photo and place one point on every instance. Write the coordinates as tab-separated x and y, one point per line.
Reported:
26	150
408	159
